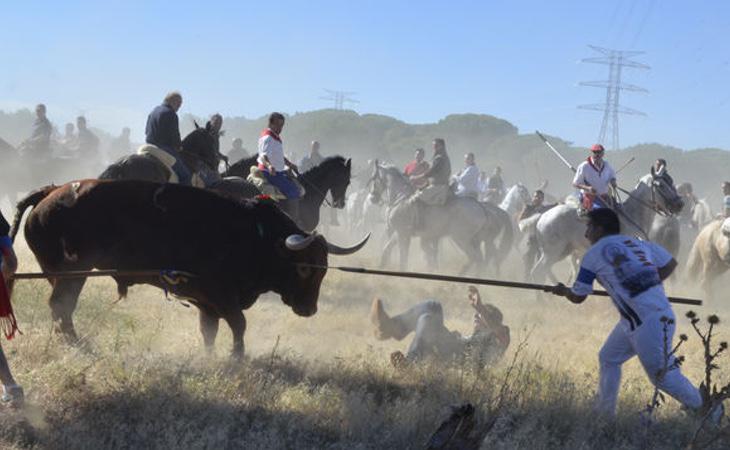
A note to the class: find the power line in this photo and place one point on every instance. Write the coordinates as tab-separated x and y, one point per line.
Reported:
616	60
339	98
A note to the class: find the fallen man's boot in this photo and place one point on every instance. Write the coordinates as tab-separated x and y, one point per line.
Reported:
385	326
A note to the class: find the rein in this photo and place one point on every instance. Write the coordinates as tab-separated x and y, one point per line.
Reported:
653	205
315	189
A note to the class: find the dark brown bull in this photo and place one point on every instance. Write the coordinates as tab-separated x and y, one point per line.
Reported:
237	250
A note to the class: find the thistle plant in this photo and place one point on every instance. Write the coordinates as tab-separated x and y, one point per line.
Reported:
712	394
671	361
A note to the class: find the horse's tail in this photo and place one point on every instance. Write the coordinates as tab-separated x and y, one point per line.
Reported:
30	200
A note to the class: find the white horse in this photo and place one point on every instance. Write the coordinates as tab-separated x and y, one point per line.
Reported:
515	200
561	232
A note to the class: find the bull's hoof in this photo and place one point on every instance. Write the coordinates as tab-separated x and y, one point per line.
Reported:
237	356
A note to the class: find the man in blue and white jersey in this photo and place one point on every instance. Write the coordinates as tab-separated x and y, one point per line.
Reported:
632	272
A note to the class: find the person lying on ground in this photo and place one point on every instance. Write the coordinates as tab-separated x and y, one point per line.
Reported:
488	341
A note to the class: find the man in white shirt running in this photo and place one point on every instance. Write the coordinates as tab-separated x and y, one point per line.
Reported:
467	181
632	272
271	159
593	177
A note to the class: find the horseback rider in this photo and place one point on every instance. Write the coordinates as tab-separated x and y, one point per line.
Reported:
417	167
213	127
274	165
467	181
437	175
163	132
495	187
88	143
314	158
537	206
38	146
237	152
68	141
437	191
594	177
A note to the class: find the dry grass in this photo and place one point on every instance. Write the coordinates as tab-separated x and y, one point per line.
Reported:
141	379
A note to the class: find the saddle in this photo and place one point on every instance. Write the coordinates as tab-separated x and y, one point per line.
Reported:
168	161
258	179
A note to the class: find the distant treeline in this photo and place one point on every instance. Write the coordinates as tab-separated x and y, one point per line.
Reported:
495	141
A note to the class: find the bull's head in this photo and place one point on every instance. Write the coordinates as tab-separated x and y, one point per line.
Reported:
306	257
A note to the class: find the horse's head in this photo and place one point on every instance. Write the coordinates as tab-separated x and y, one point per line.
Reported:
199	142
523	193
376	184
663	192
333	175
341	173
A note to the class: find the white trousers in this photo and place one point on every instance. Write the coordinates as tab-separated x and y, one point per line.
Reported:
646	342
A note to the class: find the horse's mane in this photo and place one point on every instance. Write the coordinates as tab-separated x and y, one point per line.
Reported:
327	165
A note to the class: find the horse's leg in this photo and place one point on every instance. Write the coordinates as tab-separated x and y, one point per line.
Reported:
385	258
490	253
404	245
427	246
208	328
63	300
473	253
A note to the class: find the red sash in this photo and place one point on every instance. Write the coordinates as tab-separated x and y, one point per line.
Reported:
268	132
590	163
8	323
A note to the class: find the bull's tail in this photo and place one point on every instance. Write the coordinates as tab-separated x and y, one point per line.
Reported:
30	200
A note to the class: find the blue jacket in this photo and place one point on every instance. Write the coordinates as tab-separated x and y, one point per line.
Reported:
162	128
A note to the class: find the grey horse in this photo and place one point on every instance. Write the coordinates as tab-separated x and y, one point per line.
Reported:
561	232
467	222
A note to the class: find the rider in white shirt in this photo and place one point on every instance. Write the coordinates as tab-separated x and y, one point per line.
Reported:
467	181
271	159
594	177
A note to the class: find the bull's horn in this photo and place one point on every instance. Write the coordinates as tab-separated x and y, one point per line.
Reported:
298	242
336	250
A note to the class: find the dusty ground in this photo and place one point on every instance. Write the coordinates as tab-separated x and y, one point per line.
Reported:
141	379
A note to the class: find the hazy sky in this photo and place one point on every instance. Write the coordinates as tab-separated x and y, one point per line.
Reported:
417	61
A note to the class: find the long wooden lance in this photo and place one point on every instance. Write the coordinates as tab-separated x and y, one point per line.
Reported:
555	150
99	273
625	164
479	281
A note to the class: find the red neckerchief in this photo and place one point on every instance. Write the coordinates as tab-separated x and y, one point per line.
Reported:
590	163
269	132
